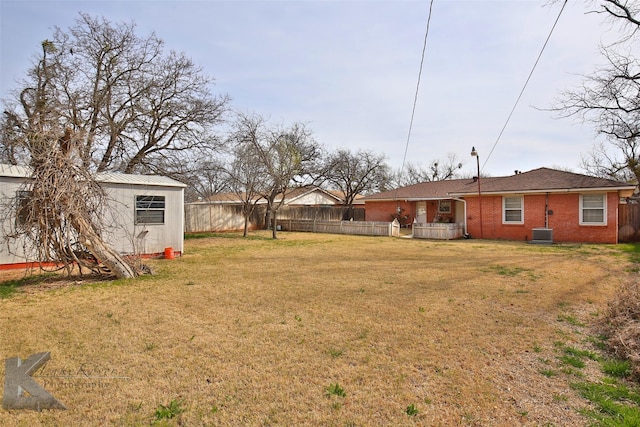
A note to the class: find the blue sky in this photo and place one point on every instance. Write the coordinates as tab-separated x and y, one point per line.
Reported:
349	69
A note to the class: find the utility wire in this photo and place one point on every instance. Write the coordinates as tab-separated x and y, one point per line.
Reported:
415	99
525	84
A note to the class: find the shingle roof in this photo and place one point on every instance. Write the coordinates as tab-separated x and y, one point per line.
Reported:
537	180
227	198
424	190
544	180
291	197
296	193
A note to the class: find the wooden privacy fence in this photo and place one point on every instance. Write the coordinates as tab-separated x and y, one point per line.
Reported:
366	228
213	217
629	223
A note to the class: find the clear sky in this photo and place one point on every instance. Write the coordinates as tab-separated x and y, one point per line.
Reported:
349	69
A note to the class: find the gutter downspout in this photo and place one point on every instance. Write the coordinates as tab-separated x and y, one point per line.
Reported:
464	202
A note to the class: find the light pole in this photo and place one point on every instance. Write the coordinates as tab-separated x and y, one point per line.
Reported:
474	153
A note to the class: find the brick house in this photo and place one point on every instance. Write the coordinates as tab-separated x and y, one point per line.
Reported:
559	205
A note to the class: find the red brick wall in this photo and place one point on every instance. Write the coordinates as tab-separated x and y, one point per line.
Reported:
384	211
565	220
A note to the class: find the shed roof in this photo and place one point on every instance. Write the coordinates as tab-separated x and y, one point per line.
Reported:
535	181
15	171
131	179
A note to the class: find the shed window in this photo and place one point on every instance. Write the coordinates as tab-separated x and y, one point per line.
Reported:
150	209
593	209
512	210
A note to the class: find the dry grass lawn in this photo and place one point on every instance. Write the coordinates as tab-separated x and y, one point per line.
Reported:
253	332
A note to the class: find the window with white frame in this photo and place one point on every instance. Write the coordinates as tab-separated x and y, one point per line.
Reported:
150	209
593	209
512	210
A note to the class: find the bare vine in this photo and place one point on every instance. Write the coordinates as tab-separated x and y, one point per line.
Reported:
58	210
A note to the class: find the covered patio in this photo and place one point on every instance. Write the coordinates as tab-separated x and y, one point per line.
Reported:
442	219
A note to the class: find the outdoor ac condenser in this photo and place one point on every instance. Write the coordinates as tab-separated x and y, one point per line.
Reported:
542	235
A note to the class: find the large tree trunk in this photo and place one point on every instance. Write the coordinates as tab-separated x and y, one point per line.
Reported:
274	218
110	258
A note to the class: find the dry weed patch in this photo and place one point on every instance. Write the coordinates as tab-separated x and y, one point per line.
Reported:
319	330
621	324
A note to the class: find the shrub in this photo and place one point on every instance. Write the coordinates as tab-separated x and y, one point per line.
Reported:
622	324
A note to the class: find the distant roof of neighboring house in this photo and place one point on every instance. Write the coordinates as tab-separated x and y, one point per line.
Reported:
226	198
291	196
14	171
298	193
358	200
339	194
534	181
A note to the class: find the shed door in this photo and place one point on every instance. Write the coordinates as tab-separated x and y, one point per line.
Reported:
421	212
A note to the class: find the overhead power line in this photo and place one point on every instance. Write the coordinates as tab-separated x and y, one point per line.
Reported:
415	99
525	84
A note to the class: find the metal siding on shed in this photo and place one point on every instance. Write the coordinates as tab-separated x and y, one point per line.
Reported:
120	230
145	238
9	185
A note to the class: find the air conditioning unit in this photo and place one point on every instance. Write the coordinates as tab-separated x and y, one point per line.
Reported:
542	235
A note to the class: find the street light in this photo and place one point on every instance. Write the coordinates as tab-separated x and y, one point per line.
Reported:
474	153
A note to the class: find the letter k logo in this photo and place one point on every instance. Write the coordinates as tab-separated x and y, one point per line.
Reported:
18	380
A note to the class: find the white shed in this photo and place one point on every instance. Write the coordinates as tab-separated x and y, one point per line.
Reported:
144	214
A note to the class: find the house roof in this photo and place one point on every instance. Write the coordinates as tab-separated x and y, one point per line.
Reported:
544	180
227	198
340	196
422	191
300	192
13	171
540	180
291	196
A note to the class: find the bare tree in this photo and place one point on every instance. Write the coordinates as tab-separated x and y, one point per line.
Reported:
358	173
283	157
287	156
58	216
101	98
132	106
604	163
608	98
436	171
204	176
207	178
246	175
